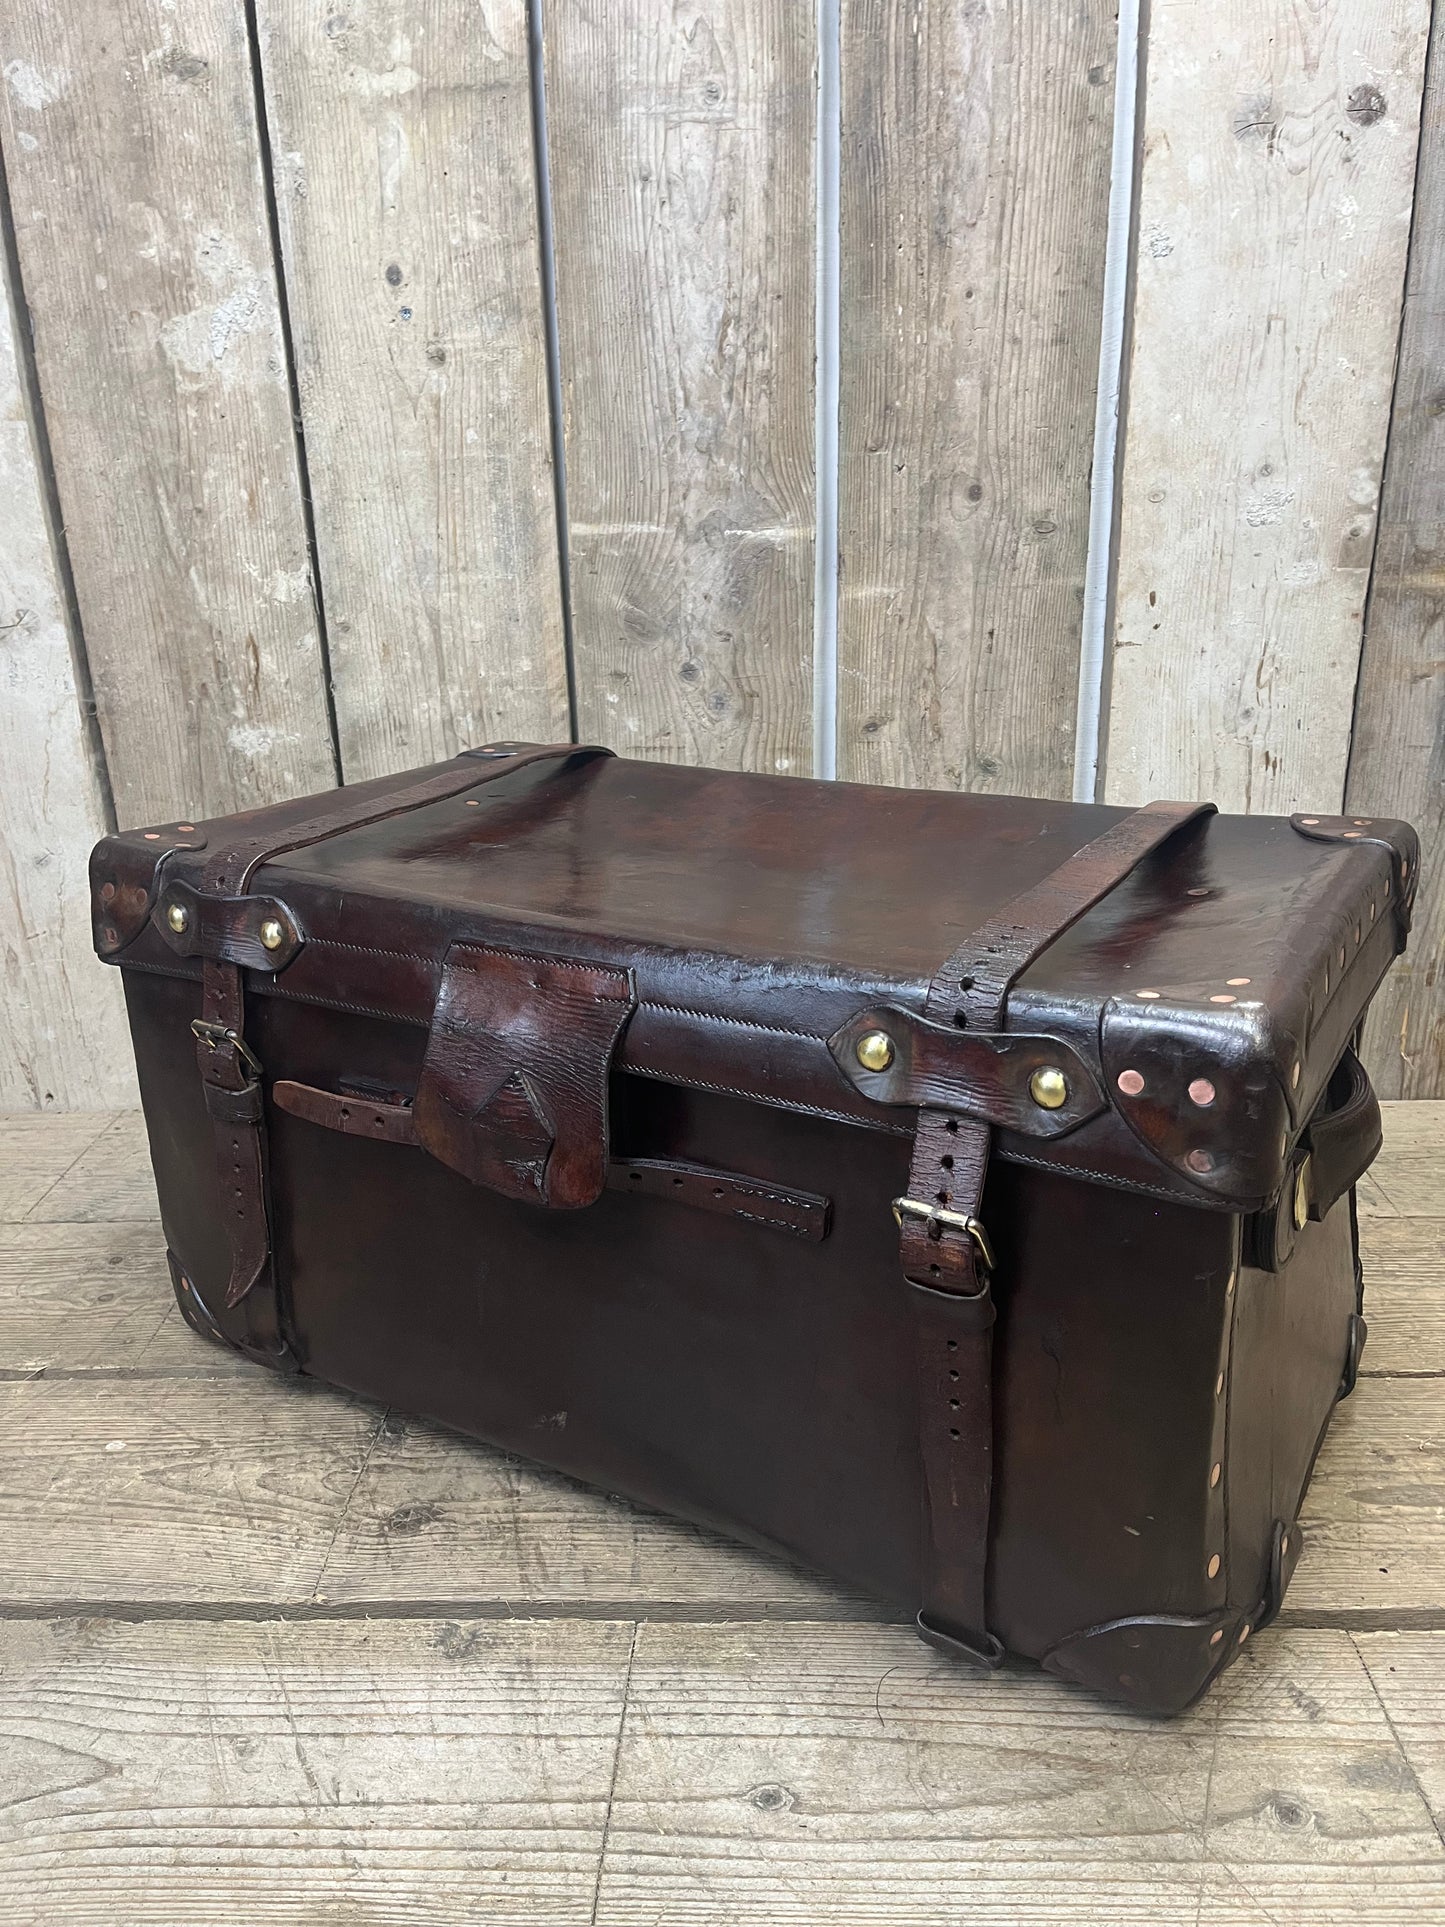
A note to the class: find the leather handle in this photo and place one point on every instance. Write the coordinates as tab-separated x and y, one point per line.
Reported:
1344	1136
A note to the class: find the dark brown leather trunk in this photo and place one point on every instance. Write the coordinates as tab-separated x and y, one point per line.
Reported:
561	1138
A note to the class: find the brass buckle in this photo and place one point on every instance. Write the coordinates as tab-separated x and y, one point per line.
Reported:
214	1035
954	1220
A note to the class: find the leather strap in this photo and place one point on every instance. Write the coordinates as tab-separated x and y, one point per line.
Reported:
230	1071
803	1214
944	1248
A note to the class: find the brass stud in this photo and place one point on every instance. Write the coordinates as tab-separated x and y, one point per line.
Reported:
272	934
874	1050
1049	1088
178	917
1213	1567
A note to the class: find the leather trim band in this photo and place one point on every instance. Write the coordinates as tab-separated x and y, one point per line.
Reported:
942	1245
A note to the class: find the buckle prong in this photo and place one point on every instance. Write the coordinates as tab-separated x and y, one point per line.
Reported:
214	1035
954	1220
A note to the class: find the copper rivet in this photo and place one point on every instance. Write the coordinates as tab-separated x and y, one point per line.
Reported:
1131	1083
1342	956
1216	1636
1146	993
1213	1567
1214	1475
1357	933
107	891
1236	980
1196	893
1223	997
1244	1632
153	836
1049	1088
1372	913
874	1050
1230	1283
186	827
1294	1070
179	918
1201	1161
1219	1385
1311	820
1327	983
1404	869
473	803
1201	1092
272	934
1363	821
1284	1542
1352	836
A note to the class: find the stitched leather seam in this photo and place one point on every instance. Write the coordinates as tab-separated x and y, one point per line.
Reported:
778	1103
775	1224
741	1023
1114	1183
536	957
370	950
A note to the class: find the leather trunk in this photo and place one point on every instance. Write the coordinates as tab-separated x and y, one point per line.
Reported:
643	1120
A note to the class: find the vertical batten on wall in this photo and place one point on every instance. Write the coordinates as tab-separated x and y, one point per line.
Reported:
1108	405
829	244
683	168
1274	206
141	227
547	263
976	146
63	1043
408	210
1397	755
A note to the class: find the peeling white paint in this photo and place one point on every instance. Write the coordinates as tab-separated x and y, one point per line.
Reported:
34	89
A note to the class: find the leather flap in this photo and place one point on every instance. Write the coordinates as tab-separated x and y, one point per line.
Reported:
513	1091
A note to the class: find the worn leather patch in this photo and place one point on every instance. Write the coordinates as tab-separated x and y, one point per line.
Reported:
513	1091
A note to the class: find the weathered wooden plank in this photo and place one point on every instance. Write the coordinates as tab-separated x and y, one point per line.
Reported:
96	1297
36	1150
975	178
806	1773
63	1041
254	1489
140	218
110	1182
1396	765
1407	1670
1274	206
1404	1260
1404	1182
422	1772
1374	1519
682	143
408	213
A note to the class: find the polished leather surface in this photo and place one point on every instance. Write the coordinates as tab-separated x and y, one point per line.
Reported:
758	914
795	1389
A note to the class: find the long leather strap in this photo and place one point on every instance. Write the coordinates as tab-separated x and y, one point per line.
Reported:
944	1248
230	1072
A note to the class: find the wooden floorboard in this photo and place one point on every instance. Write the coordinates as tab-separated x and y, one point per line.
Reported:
271	1654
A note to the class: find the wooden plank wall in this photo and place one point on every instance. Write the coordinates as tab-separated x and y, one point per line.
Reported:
317	290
